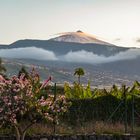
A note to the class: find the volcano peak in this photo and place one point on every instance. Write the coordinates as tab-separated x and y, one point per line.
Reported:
79	31
79	37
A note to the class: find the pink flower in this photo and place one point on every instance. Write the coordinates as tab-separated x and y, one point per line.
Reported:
15	97
46	82
1	78
43	103
9	104
1	109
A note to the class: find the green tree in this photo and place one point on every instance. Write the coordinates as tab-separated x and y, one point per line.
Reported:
79	72
78	91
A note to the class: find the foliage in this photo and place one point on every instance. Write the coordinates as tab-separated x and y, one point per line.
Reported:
101	103
118	92
77	91
85	110
20	99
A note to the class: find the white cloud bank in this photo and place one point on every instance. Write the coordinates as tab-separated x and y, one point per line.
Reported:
89	57
81	56
29	52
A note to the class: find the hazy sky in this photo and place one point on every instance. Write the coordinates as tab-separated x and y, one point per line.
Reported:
117	21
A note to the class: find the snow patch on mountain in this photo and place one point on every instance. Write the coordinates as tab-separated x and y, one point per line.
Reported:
79	37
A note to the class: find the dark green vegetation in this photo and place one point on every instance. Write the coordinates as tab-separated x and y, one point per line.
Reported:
100	104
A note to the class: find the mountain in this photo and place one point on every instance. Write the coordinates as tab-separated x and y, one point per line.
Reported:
79	37
104	62
70	42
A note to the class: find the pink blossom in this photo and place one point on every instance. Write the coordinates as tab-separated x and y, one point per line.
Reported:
15	97
1	109
46	82
1	78
18	96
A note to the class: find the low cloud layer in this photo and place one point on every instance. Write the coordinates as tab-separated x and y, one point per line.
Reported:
89	57
29	52
81	56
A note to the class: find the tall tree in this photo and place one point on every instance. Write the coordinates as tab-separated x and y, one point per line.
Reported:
79	72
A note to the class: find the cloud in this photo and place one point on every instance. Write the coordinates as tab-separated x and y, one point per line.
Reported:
80	56
29	52
89	57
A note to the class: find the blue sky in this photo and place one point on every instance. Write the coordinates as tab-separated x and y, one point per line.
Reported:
116	21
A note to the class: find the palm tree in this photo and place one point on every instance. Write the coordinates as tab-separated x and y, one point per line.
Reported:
2	68
79	72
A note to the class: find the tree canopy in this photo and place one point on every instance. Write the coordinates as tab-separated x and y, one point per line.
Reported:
79	72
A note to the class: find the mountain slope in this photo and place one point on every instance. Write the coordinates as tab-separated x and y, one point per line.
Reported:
61	48
92	53
70	42
121	72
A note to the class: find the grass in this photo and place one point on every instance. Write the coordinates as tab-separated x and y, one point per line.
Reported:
91	127
97	127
